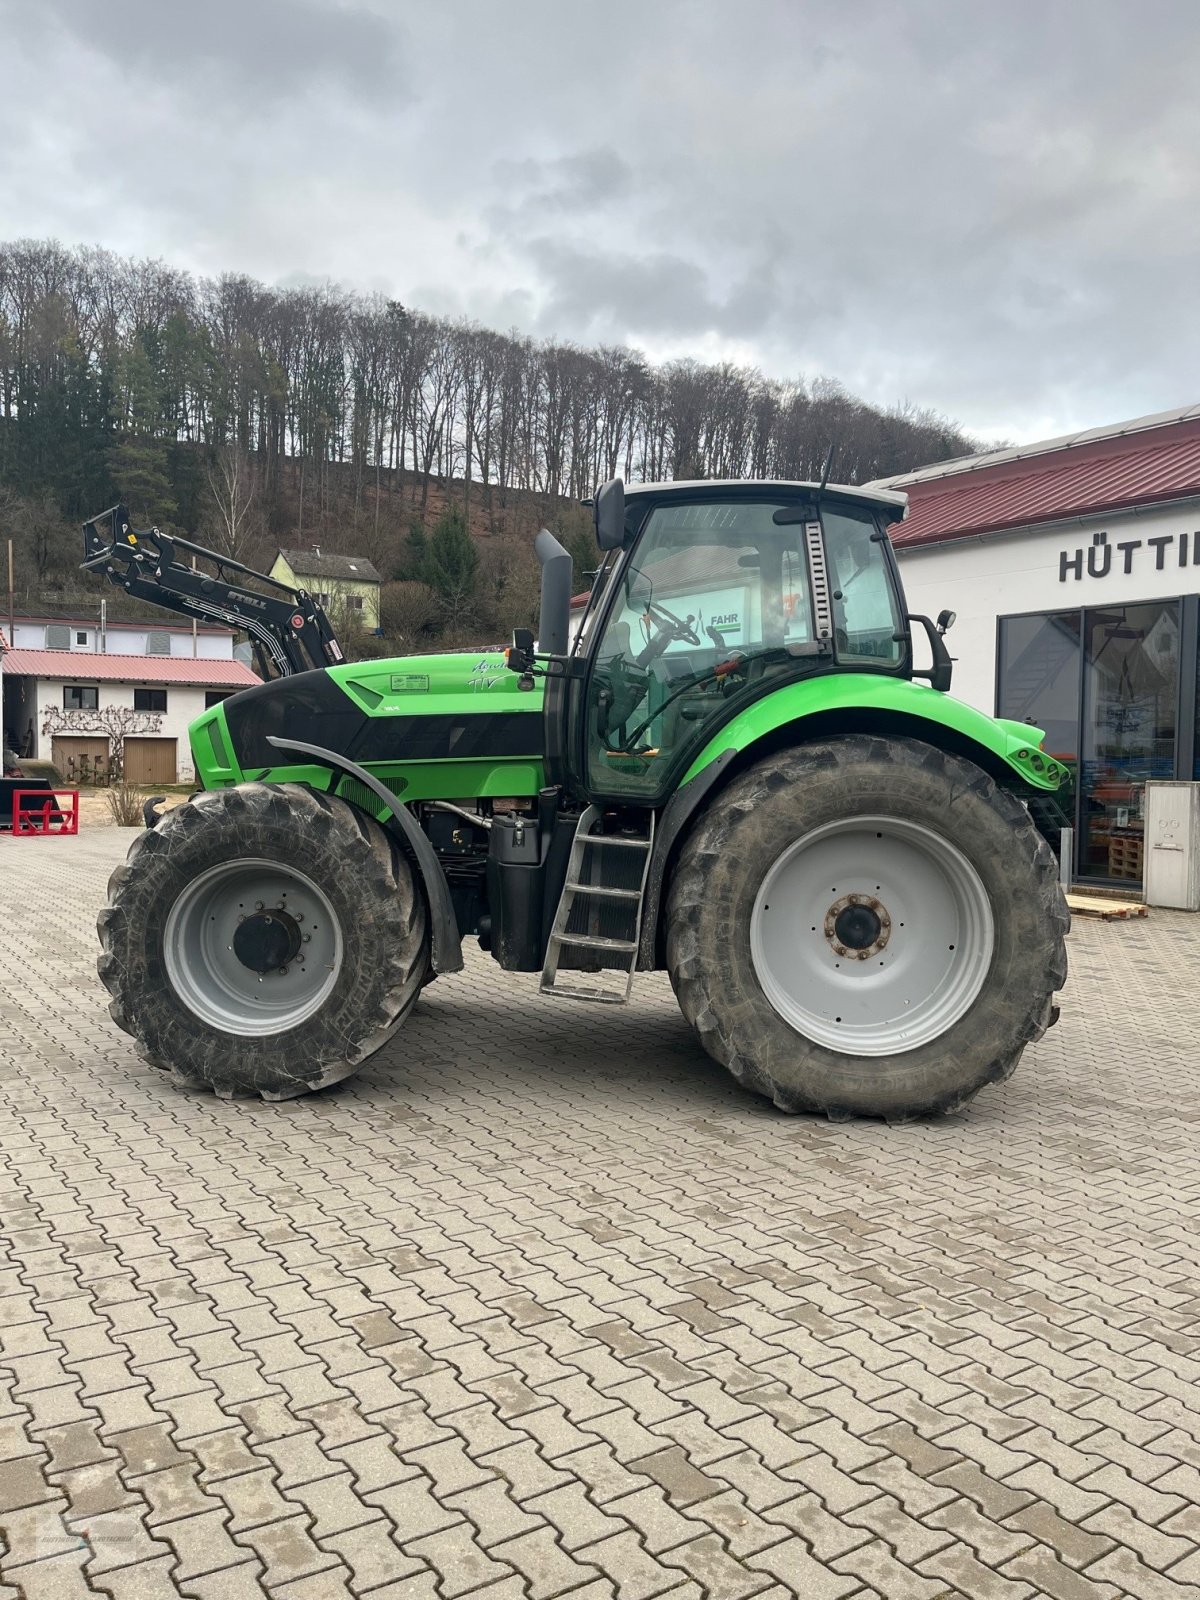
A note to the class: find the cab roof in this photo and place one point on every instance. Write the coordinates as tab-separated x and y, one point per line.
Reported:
888	500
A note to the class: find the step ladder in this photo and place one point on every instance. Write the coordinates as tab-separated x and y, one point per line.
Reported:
599	914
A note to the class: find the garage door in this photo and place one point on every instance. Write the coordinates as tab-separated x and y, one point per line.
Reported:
150	761
80	760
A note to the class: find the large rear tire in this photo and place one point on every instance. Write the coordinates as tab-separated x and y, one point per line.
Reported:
264	939
866	927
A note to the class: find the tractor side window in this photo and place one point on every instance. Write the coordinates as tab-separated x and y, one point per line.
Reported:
865	614
714	598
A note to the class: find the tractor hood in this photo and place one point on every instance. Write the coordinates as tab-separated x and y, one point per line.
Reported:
435	726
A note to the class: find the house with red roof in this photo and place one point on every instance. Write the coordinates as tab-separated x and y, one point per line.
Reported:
98	700
1073	566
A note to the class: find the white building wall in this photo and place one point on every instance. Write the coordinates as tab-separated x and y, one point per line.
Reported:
184	703
1112	560
124	641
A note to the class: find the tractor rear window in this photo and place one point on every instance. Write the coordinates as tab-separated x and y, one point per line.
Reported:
866	618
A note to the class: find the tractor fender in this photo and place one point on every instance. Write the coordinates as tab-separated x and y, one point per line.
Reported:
854	702
445	939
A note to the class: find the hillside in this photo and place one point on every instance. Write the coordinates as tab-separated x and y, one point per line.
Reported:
249	417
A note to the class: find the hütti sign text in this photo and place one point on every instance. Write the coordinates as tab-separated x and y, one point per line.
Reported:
1100	557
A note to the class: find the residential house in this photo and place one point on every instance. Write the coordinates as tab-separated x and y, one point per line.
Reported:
90	699
347	586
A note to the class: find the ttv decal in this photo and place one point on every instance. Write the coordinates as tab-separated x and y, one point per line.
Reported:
485	674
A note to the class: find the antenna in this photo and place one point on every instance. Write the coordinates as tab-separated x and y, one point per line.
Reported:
828	467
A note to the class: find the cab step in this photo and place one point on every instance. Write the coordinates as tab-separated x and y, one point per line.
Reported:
599	913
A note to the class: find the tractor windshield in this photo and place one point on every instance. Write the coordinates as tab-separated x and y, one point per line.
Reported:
714	603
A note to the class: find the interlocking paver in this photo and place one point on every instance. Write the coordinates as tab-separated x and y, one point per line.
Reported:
592	1322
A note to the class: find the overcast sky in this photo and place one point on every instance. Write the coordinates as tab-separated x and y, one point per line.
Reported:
993	210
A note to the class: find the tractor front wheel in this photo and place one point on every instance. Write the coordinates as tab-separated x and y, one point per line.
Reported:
866	927
262	940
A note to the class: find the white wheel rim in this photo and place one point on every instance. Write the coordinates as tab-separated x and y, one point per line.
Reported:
210	978
916	901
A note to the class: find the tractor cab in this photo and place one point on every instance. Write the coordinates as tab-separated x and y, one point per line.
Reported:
710	596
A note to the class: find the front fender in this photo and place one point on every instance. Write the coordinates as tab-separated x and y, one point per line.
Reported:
860	701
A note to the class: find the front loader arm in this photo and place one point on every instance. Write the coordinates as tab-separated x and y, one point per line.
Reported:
288	627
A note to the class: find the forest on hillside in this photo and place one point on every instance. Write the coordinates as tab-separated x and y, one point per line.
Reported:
251	417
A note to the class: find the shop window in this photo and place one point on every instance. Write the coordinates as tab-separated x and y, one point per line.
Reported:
149	699
1131	691
1039	683
80	697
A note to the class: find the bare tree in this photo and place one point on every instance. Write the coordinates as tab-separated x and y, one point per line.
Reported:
232	488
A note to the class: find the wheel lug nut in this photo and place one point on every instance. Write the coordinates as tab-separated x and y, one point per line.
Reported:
258	905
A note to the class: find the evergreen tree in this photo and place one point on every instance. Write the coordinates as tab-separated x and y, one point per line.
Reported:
451	566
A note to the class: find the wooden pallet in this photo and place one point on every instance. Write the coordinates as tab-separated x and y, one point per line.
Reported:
1125	855
1094	905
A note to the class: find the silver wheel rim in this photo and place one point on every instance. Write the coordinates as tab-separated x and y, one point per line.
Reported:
284	908
872	936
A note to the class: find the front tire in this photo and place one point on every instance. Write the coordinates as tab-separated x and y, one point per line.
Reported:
866	927
264	939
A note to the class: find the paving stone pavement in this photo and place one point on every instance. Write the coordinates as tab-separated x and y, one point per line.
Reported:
541	1304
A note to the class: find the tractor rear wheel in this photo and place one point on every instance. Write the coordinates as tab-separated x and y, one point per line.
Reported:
264	939
867	927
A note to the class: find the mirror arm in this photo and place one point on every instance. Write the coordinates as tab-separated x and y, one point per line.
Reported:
941	672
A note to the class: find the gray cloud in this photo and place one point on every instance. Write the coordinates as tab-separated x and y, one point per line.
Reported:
264	48
992	213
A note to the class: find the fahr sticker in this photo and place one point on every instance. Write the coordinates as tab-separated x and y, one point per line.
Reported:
409	683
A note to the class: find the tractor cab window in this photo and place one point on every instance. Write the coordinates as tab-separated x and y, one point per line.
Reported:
713	600
865	614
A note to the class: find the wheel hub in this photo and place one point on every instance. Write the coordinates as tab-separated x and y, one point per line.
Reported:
253	947
267	941
858	926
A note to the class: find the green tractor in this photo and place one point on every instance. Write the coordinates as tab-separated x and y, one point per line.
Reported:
727	769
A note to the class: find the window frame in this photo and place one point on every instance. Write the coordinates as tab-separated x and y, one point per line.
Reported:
82	689
147	692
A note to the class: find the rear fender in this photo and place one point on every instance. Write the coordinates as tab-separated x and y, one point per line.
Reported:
858	702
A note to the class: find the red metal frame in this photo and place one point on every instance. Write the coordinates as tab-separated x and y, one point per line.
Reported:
41	813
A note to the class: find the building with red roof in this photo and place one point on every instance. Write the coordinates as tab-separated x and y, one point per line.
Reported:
96	700
1074	568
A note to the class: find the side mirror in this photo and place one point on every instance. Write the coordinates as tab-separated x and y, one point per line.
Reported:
609	514
942	670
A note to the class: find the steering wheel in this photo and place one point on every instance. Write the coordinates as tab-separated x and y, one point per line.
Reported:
674	626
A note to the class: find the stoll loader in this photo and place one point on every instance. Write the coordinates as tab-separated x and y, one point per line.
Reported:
729	770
